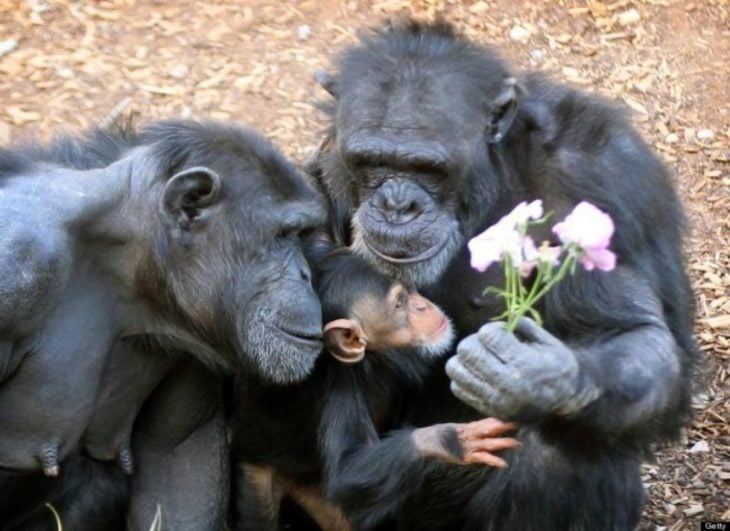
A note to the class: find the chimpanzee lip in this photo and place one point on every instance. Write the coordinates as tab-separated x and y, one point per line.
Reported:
440	330
422	257
303	336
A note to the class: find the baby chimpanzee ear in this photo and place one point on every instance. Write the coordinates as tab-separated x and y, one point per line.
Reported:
345	340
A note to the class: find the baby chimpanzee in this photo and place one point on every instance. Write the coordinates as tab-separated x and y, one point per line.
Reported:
381	338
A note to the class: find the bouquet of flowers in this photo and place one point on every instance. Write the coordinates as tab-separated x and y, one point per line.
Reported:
585	235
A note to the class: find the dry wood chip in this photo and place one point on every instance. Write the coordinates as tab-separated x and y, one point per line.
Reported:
479	7
617	36
694	510
635	105
519	33
101	13
11	67
165	91
579	11
5	133
21	117
629	18
720	321
7	46
598	9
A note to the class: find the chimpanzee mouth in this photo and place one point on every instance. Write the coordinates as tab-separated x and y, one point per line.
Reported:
405	260
309	338
445	323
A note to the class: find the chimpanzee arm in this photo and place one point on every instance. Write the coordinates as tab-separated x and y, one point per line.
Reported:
371	478
618	376
363	475
346	423
181	452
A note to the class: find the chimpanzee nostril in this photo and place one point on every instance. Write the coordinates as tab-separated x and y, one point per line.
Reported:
397	204
414	208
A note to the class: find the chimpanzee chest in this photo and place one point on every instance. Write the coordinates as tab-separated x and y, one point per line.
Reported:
460	293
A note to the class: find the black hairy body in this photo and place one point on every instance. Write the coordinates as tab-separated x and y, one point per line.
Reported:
433	139
137	268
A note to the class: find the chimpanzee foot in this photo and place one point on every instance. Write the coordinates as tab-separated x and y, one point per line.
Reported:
48	457
124	458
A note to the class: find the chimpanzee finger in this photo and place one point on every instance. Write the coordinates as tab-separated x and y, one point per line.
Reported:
533	332
470	374
485	364
488	427
493	444
471	354
485	458
499	341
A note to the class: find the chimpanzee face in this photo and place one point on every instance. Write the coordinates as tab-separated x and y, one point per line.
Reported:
406	168
232	253
409	130
382	316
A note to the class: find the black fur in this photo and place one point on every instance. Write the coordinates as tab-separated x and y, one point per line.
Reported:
307	431
183	236
629	330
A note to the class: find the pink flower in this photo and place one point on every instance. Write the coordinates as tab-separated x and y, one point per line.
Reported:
494	243
503	238
534	255
524	212
590	229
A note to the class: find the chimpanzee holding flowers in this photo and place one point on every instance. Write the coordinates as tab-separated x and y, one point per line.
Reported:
432	141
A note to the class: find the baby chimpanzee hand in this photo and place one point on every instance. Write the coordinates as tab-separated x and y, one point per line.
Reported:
466	443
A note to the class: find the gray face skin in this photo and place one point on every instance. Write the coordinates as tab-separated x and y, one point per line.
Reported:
190	237
405	222
405	142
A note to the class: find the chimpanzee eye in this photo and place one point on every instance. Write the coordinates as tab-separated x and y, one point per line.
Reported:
293	230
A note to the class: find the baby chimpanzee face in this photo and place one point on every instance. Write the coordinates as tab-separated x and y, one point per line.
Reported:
402	318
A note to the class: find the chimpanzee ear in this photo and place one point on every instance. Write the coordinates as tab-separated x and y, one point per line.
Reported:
188	193
502	111
328	82
345	340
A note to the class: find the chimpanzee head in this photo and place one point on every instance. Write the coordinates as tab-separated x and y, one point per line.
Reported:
366	311
416	112
227	261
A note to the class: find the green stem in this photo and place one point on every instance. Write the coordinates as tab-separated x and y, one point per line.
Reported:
533	297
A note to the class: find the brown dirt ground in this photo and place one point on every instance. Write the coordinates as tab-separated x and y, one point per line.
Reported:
77	63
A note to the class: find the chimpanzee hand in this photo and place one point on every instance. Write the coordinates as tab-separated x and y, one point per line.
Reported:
518	377
466	443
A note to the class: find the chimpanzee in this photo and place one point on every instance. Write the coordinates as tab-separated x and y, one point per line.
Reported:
433	140
181	237
378	335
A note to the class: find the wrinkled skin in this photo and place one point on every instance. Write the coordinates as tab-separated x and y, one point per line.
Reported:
488	383
433	140
182	237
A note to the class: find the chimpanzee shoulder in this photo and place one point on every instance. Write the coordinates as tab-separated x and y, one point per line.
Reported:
589	150
96	148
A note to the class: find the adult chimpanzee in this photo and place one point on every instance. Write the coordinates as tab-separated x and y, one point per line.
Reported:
181	237
433	140
380	336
